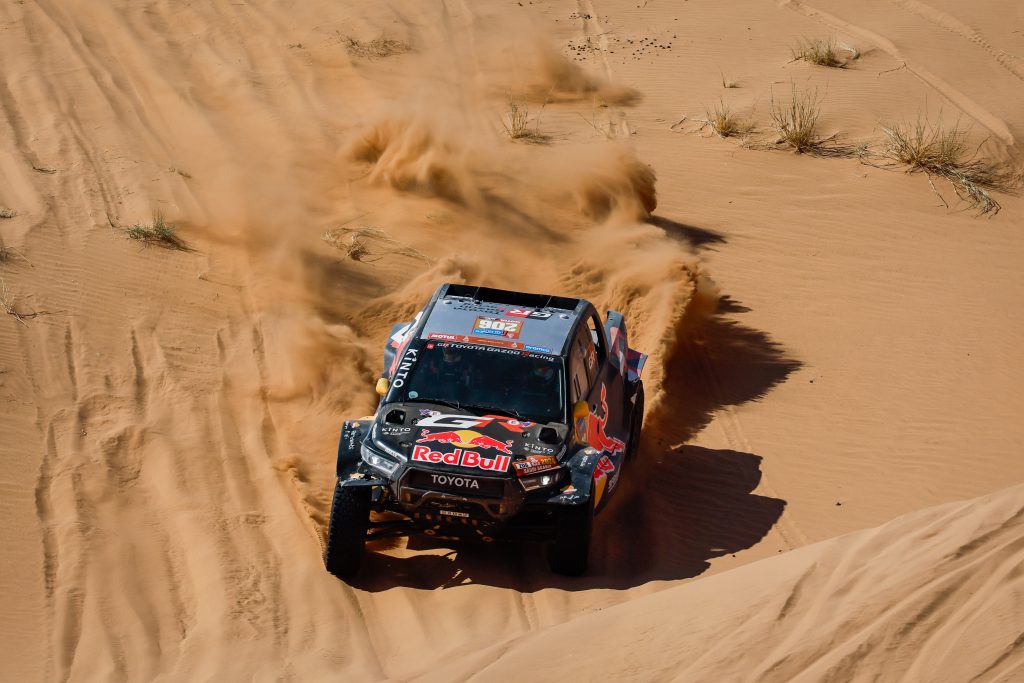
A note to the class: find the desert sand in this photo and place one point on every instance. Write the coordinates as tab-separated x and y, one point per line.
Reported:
829	485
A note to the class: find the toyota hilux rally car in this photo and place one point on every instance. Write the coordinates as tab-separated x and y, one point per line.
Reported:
502	415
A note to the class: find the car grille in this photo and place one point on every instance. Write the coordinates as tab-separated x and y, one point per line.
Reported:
459	484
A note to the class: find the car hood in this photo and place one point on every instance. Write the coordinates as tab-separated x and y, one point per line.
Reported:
444	438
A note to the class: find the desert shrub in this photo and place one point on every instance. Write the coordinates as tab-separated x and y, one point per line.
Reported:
160	233
725	123
943	151
820	51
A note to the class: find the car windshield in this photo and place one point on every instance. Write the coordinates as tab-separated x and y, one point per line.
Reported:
480	378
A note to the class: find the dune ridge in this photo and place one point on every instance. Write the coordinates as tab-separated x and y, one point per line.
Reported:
905	601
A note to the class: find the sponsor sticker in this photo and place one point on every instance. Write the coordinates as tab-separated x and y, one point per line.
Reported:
534	463
465	438
536	349
443	336
391	430
498	327
539	315
496	341
604	467
460	424
492	345
518	312
461	458
454	513
402	372
590	429
538	448
511	425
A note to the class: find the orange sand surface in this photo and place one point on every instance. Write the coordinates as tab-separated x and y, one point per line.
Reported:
835	384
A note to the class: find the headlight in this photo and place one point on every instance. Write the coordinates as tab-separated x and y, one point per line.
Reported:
378	461
542	480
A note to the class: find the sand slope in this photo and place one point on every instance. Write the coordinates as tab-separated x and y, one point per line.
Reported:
830	346
931	596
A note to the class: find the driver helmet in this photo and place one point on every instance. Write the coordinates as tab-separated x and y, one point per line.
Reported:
543	370
450	355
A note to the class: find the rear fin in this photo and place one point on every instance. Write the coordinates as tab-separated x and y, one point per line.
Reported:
629	362
399	335
634	364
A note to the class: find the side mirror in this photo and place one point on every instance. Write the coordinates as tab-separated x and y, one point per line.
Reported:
383	385
580	412
580	409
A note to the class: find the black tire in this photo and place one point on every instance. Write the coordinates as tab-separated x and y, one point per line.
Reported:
570	552
636	423
346	531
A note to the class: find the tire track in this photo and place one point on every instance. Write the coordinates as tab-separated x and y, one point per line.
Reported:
593	28
993	124
957	27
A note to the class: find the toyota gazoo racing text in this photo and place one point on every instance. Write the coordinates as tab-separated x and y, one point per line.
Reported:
502	415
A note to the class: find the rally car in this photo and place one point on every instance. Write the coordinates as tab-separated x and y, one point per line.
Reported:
502	415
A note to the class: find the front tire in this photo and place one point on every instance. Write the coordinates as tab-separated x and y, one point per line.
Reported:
570	553
346	531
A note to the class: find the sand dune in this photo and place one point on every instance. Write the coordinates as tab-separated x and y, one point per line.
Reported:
831	347
904	601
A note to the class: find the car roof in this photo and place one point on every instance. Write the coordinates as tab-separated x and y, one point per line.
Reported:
496	317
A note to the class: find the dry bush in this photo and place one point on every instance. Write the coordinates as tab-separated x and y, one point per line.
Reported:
7	213
944	152
378	48
516	118
820	51
516	121
8	306
356	249
6	302
353	242
159	232
795	121
725	123
728	83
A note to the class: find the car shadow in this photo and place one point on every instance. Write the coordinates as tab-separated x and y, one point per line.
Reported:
680	506
698	238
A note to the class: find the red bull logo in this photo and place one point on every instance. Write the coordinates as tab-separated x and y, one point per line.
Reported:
590	430
466	438
461	458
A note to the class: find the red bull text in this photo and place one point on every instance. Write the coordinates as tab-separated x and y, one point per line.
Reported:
462	458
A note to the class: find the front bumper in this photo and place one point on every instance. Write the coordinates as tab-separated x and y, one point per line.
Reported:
503	509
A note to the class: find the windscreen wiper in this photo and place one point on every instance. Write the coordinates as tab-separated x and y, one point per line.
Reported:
439	401
507	412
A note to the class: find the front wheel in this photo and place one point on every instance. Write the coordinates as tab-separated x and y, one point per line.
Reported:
346	531
570	552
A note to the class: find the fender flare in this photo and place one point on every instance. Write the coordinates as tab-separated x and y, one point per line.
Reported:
353	433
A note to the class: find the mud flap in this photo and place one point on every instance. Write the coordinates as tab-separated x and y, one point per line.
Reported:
581	487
